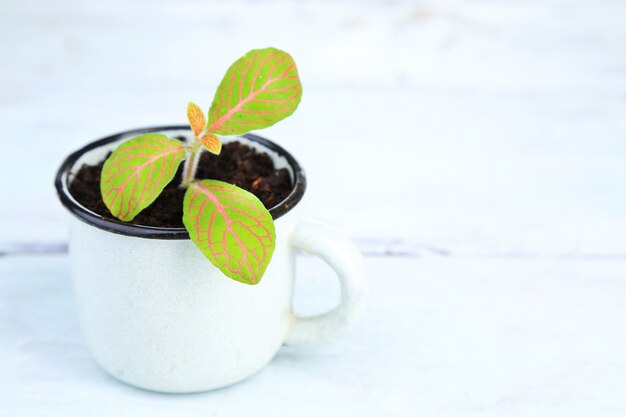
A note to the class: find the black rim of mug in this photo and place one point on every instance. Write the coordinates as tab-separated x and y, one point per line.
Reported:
116	226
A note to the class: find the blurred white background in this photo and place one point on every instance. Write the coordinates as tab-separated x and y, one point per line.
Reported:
468	127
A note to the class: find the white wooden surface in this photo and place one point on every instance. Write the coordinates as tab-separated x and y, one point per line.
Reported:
442	337
484	142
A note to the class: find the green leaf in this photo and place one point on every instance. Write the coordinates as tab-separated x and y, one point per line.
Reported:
231	227
137	171
258	90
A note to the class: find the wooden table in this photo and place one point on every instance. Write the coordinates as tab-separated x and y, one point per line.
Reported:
475	151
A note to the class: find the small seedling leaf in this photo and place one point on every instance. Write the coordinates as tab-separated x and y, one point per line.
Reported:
212	143
231	227
137	171
258	90
196	118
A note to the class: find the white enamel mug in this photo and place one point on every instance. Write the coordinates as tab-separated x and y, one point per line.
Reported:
156	314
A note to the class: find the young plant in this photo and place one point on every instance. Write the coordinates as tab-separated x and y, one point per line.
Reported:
229	225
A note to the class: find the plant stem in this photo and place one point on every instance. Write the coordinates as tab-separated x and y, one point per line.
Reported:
191	164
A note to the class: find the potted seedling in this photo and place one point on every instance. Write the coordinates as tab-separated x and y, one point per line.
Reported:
205	302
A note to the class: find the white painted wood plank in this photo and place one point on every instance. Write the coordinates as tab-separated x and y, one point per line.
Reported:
496	128
445	337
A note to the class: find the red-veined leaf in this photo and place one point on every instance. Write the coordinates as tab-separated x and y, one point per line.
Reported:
212	143
231	227
258	90
196	118
137	171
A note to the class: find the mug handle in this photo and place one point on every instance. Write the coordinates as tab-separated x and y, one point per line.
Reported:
346	260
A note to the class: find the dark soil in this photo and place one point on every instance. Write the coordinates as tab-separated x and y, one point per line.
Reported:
237	164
